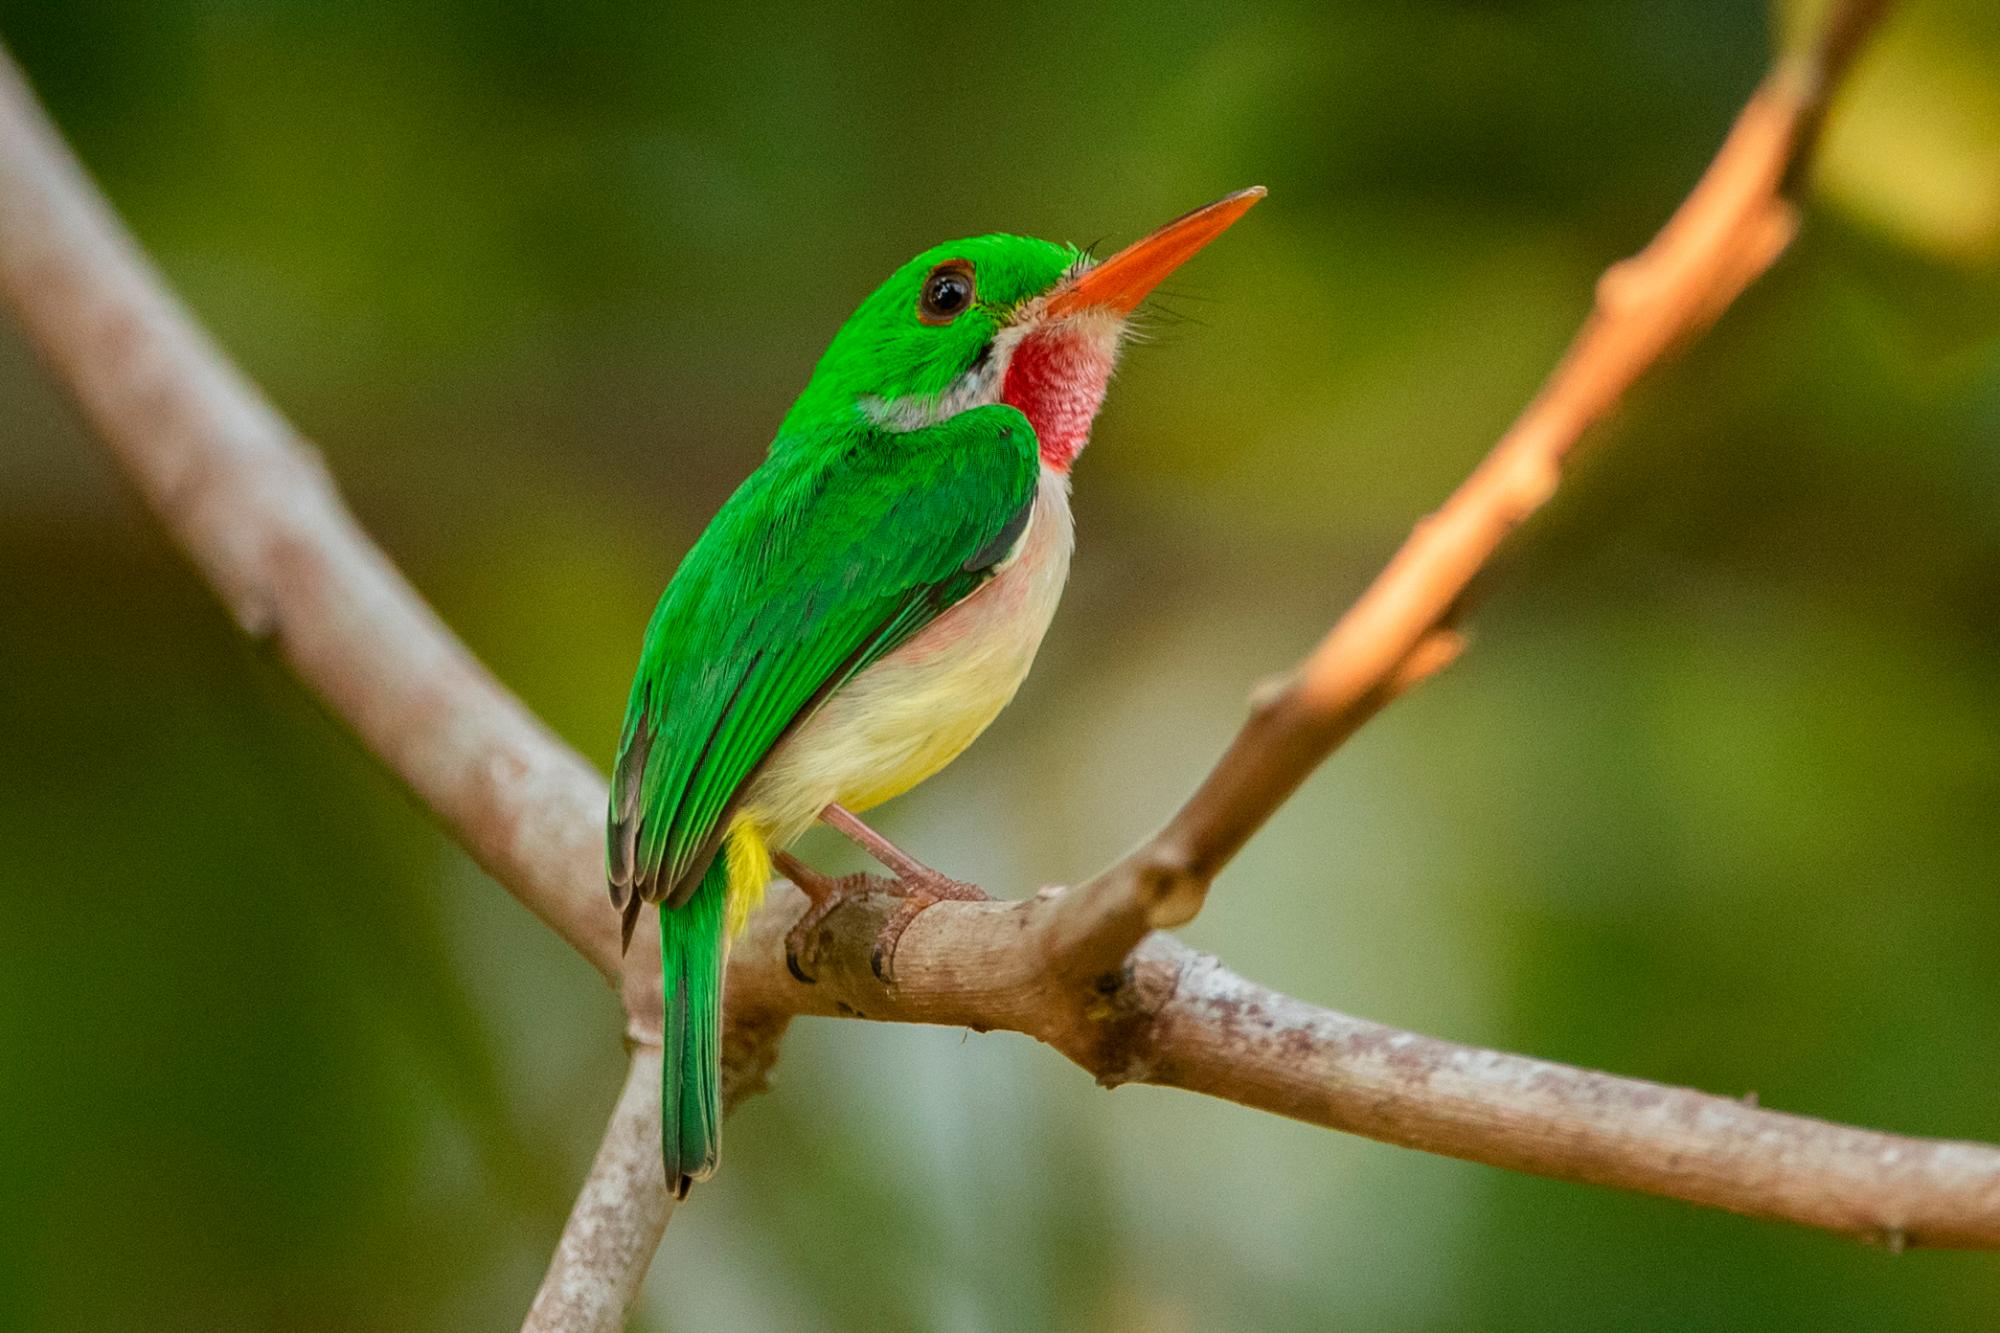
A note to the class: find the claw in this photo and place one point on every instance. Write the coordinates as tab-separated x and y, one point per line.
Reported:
918	886
802	941
919	893
797	941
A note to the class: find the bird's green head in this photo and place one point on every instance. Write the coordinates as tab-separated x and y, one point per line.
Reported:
999	319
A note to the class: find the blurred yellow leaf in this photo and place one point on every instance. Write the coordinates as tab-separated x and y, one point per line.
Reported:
1914	146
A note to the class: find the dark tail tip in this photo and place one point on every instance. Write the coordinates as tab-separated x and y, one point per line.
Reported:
633	906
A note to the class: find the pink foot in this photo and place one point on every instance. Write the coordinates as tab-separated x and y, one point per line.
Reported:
827	894
918	891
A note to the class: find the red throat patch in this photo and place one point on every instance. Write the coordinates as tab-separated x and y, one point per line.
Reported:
1057	379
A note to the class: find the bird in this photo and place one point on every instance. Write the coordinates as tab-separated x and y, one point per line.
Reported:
861	608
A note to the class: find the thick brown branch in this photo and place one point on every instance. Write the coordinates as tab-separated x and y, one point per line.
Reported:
1178	1018
249	503
251	506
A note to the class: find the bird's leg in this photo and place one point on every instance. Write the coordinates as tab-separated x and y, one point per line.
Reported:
848	824
916	884
825	892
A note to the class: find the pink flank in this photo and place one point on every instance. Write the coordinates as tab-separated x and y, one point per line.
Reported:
1057	378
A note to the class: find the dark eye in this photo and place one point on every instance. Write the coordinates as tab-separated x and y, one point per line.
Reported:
947	292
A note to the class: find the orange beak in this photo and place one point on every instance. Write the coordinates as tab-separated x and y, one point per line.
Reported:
1122	281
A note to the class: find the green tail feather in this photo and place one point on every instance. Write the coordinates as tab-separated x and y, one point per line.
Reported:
691	950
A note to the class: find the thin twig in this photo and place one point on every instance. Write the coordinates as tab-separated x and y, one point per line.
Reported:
618	1220
1730	229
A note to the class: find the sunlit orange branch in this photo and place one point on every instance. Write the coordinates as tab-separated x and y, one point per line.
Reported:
1731	228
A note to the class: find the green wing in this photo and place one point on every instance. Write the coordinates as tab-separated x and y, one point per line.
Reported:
831	554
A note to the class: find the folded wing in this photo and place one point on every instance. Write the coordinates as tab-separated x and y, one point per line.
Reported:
828	557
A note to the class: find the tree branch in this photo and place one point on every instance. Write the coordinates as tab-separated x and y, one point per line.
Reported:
1177	1018
1732	227
253	509
250	504
625	1205
618	1219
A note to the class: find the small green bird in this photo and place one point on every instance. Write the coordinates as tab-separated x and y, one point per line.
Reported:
863	606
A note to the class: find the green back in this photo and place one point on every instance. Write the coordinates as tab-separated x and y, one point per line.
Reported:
841	546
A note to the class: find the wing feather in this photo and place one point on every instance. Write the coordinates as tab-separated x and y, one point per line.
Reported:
828	557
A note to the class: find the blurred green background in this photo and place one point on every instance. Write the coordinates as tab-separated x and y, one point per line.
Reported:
1712	800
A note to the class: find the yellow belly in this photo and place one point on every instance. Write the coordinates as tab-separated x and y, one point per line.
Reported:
916	710
898	726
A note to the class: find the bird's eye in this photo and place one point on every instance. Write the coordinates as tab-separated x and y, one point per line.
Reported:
947	292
